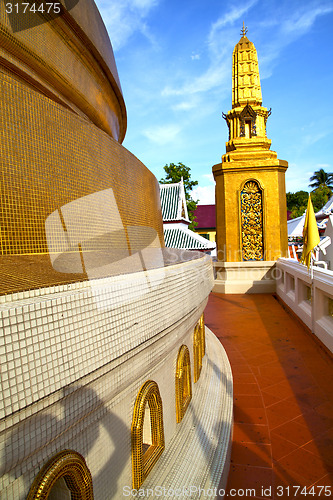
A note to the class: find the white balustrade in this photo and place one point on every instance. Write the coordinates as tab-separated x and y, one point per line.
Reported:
311	299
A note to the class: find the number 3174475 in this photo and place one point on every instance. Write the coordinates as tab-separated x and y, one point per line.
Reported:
24	8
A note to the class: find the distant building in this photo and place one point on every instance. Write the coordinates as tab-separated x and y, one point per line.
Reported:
295	227
206	220
176	221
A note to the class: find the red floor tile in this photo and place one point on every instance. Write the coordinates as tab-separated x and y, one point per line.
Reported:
305	465
322	446
243	378
281	447
262	359
274	418
282	389
273	371
326	409
293	432
250	415
264	382
325	481
255	454
241	367
251	433
311	397
249	401
241	388
315	421
287	409
270	399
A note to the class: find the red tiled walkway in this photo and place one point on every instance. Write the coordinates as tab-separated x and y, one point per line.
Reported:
283	398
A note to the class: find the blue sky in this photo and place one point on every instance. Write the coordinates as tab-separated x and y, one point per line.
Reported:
174	60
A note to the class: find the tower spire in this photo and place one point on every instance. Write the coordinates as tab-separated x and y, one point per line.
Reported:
245	73
244	30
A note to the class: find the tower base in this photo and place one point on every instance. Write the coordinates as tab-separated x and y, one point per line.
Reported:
245	277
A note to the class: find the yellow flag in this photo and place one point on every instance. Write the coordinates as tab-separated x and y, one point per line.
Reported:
310	234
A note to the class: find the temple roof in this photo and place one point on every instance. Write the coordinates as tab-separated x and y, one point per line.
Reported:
175	219
173	202
184	238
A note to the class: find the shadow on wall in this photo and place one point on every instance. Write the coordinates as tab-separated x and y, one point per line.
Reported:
81	422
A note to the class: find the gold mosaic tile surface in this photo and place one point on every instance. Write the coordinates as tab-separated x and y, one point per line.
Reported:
64	183
57	51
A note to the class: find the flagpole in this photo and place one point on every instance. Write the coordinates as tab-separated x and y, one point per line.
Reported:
312	295
311	268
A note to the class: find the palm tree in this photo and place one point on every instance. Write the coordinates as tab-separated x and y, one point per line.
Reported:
321	178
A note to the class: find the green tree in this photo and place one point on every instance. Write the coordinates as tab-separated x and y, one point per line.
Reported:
297	203
321	178
320	197
174	173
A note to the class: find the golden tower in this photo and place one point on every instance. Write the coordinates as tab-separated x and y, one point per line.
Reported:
251	212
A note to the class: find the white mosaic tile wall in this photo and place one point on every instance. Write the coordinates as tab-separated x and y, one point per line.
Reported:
73	368
53	339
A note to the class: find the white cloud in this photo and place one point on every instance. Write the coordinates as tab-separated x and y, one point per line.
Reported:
300	23
168	91
195	57
163	134
143	4
310	139
288	29
297	177
184	106
205	195
213	77
124	18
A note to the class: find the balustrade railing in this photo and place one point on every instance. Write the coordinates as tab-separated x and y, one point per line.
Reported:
310	298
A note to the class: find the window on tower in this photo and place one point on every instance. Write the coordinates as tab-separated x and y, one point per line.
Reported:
248	128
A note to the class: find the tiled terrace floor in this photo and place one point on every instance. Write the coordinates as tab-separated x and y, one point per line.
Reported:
283	398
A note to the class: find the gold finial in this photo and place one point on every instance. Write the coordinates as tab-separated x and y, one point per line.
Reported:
244	30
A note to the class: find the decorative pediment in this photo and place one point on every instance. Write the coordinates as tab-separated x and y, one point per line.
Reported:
248	113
